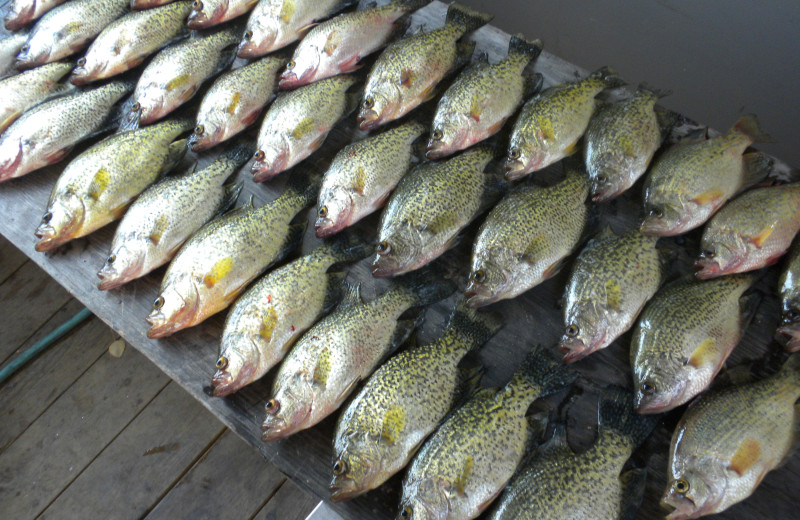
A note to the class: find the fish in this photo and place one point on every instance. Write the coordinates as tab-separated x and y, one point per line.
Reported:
274	24
406	74
752	231
235	101
9	48
217	263
621	140
338	45
163	218
340	350
684	336
23	12
788	332
483	97
175	74
690	182
129	40
207	13
298	122
98	186
526	238
148	4
728	440
267	319
552	123
611	281
26	90
67	29
430	206
46	133
363	175
468	460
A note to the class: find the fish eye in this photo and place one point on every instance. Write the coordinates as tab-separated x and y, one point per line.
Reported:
290	65
47	217
656	212
340	467
259	155
406	512
81	62
111	258
479	275
602	177
25	48
272	407
197	5
323	211
248	34
199	130
136	107
222	363
573	330
708	253
158	303
437	135
647	388
681	486
792	314
514	154
383	247
369	102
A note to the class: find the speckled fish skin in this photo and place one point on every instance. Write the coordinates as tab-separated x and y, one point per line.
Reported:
47	132
267	320
214	266
526	237
166	215
789	284
338	45
683	338
620	143
67	29
481	99
401	404
9	48
207	13
23	91
551	123
342	349
148	4
611	281
750	232
690	182
274	24
430	206
176	73
235	101
728	440
363	175
298	122
407	72
23	12
126	42
465	464
98	185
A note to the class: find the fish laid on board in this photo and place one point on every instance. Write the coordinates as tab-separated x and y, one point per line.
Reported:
9	48
207	13
28	89
789	285
23	12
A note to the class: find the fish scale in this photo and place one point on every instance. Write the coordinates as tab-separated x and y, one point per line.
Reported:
9	48
789	333
27	89
23	12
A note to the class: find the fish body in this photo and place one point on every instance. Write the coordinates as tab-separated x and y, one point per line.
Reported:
23	12
481	99
430	206
728	440
363	175
166	215
23	91
684	336
407	72
46	133
612	279
148	4
129	40
298	122
9	48
235	101
789	286
207	13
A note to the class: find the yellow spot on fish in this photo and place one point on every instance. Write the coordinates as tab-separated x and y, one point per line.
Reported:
476	106
268	324
406	77
72	28
334	39
323	368
360	181
158	229
572	148
287	10
303	127
704	354
626	145
708	196
748	453
234	103
444	221
218	272
546	131
613	294
763	235
178	81
462	481
393	423
99	183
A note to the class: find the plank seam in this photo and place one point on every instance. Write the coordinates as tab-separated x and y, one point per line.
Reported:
12	273
271	495
32	334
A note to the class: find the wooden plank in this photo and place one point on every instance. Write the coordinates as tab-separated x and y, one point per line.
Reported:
159	444
11	259
37	466
230	481
289	503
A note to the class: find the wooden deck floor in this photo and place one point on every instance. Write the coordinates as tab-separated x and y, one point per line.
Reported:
86	434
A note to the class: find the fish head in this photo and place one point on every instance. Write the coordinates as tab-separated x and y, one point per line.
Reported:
206	134
661	389
173	308
585	331
789	330
19	15
289	408
14	155
206	13
424	500
524	156
150	103
237	362
301	68
63	218
36	50
606	174
399	250
449	135
354	469
123	264
335	209
488	280
260	37
269	160
664	218
692	494
380	105
87	69
721	253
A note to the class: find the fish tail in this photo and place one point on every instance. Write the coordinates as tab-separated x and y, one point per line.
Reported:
302	189
178	126
543	373
748	125
474	327
238	154
654	91
465	18
609	76
347	247
791	369
409	5
576	176
423	287
519	45
616	412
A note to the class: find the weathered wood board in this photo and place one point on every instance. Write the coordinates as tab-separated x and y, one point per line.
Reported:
188	357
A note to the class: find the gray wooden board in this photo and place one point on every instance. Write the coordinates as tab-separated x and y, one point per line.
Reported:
290	502
188	356
11	259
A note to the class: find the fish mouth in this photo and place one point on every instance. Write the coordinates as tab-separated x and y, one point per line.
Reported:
344	488
26	61
573	349
789	334
274	428
477	297
223	383
647	405
9	168
160	327
109	279
199	19
368	120
199	143
325	228
683	507
600	195
81	76
250	48
707	268
48	238
383	267
290	80
16	21
264	171
437	149
513	169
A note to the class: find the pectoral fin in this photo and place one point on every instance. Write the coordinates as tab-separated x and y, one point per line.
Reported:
763	235
323	368
462	481
705	354
613	294
539	243
746	456
268	324
219	271
360	181
99	183
708	197
158	229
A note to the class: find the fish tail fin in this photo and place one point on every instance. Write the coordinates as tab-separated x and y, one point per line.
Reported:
654	91
303	188
465	18
544	373
519	45
232	192
609	76
748	125
476	328
791	368
238	154
424	287
347	247
757	167
616	412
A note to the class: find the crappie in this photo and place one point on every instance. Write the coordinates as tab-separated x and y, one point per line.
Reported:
214	266
23	91
298	122
526	237
611	281
430	206
265	322
551	123
343	348
166	215
750	232
690	182
789	331
9	48
402	403
148	4
683	338
67	29
465	464
620	142
235	101
407	72
482	98
363	175
46	133
128	41
23	12
98	185
274	24
177	72
728	440
206	13
338	45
